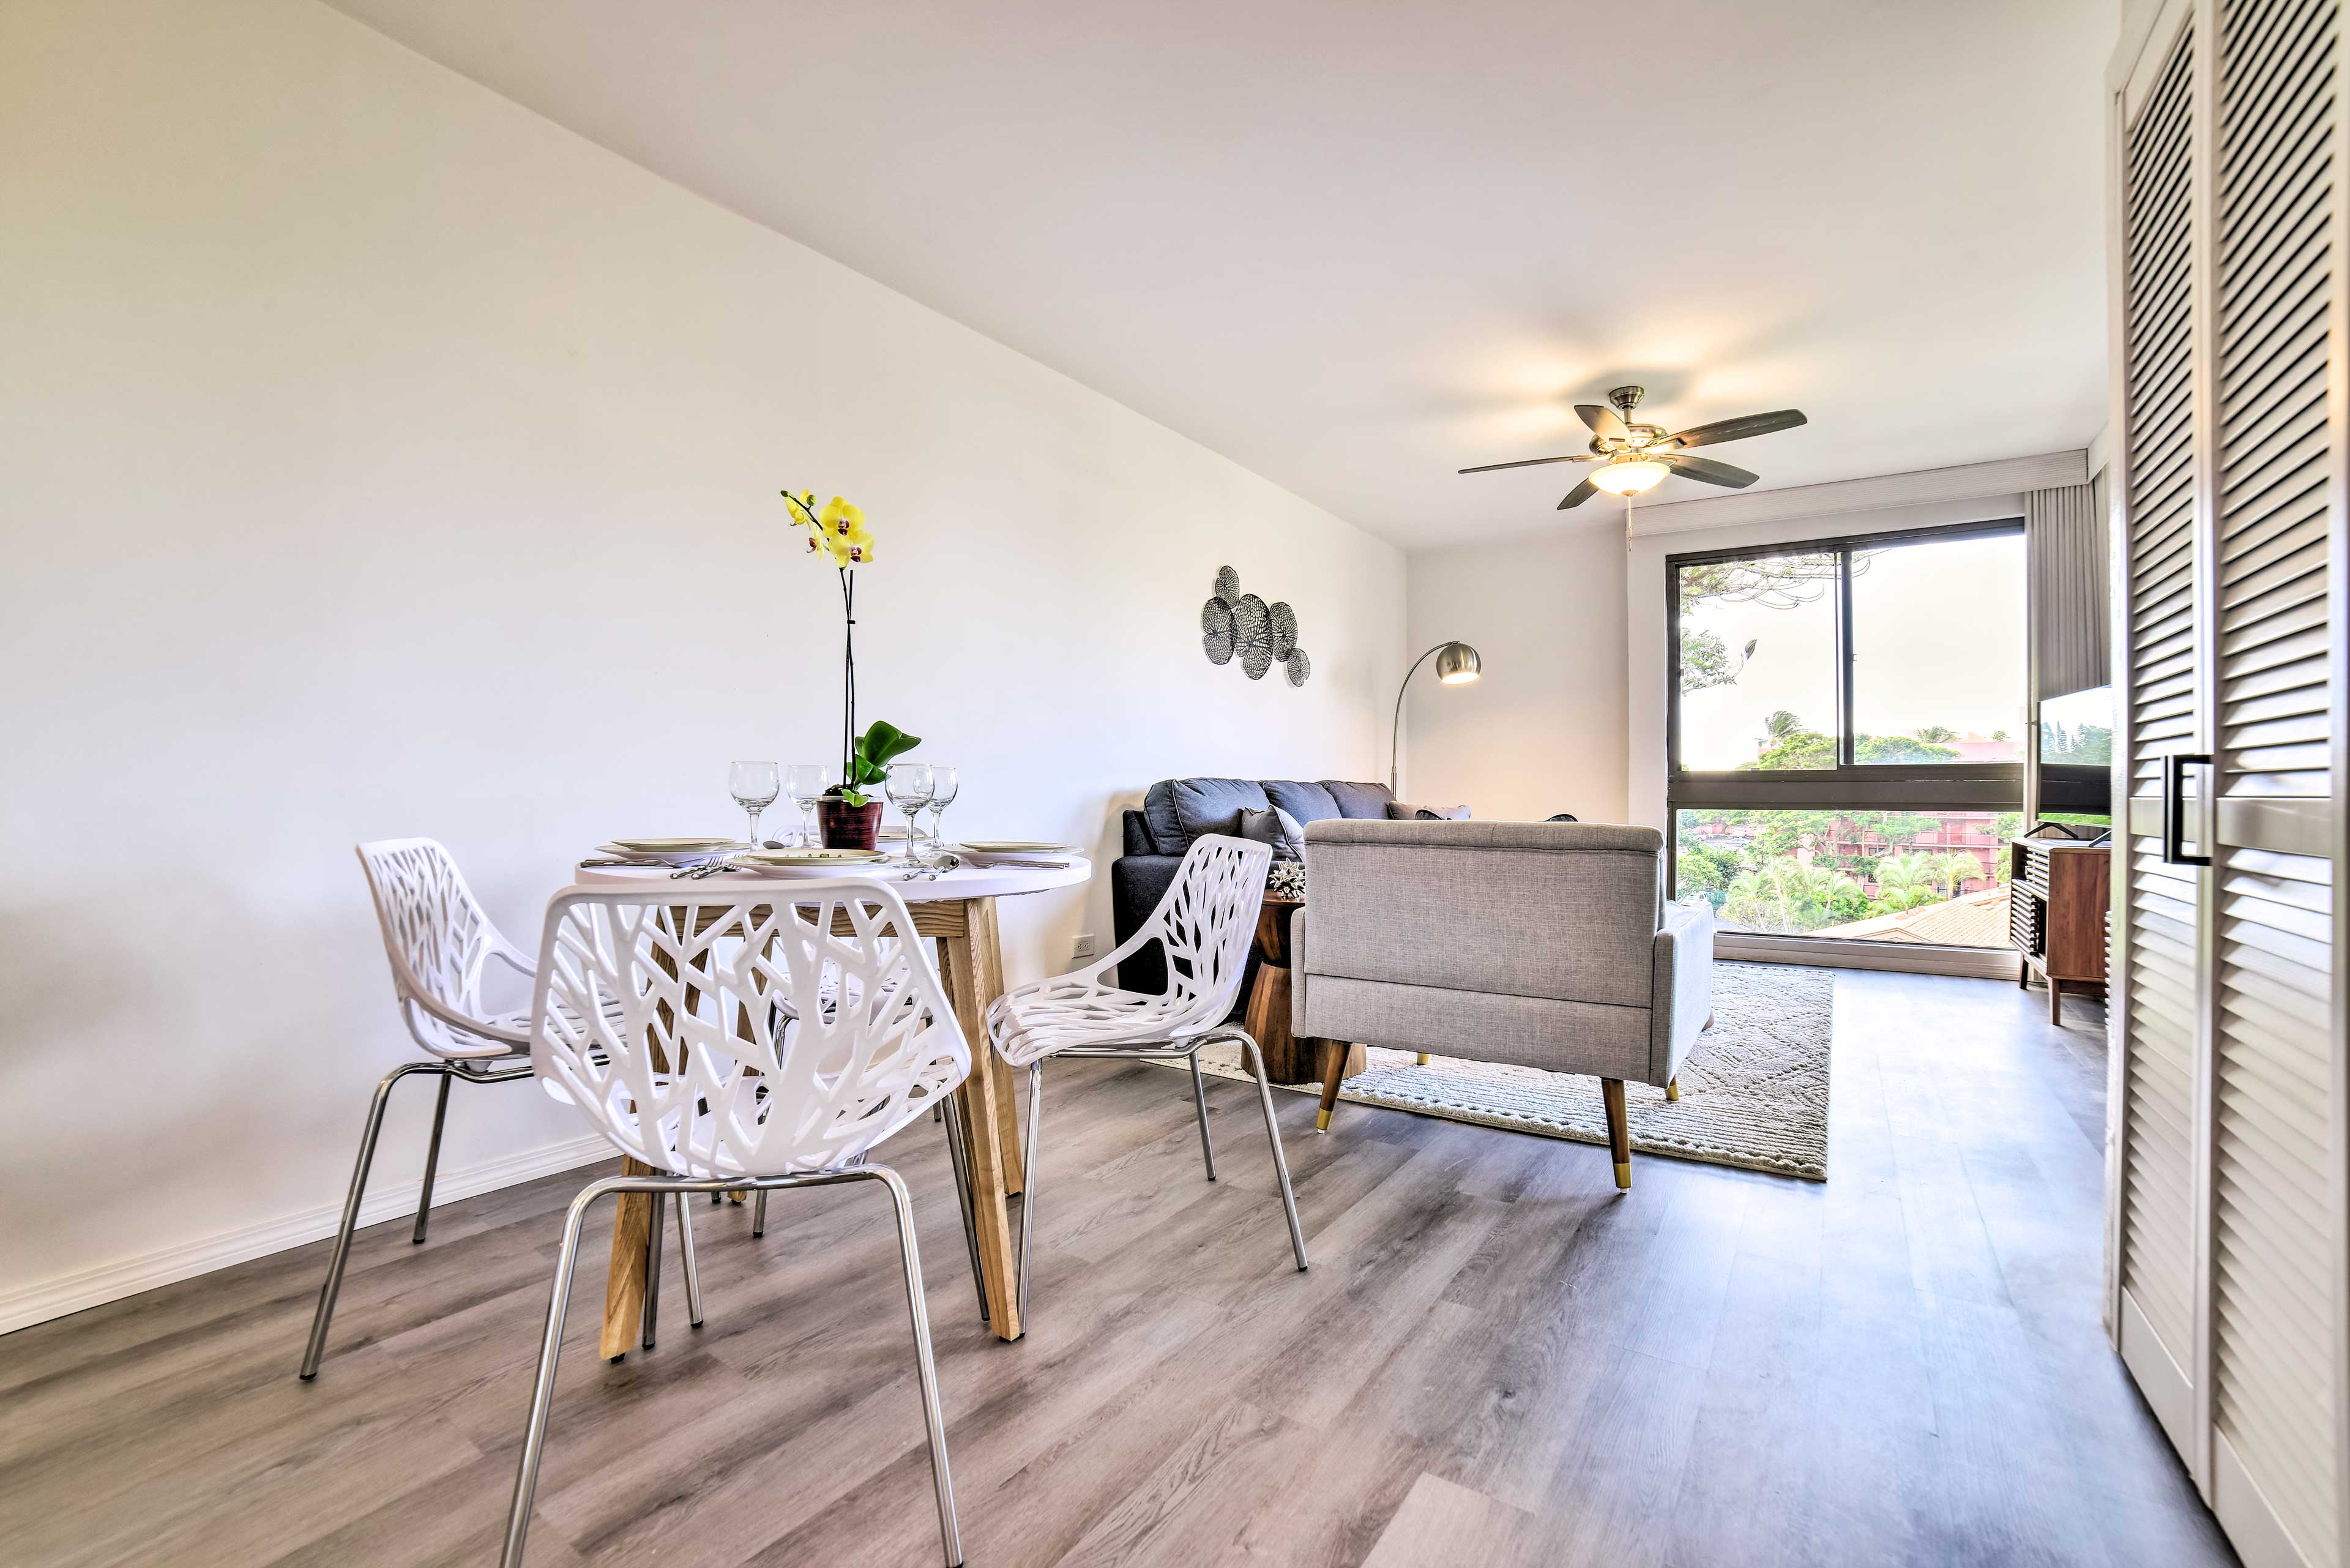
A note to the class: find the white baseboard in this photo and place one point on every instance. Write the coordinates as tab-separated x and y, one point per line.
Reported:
1830	952
38	1302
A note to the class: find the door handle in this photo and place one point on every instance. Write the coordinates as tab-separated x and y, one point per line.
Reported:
2174	822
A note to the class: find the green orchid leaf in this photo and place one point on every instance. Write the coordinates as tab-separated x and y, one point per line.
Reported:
883	741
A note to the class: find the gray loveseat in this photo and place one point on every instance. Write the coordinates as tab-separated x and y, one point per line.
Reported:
1542	944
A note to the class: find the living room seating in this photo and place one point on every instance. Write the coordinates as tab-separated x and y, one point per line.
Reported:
735	1042
1202	928
441	944
1175	812
1542	944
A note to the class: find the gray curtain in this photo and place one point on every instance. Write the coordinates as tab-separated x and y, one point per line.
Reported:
2065	529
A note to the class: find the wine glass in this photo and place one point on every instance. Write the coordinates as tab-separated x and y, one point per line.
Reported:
754	786
943	784
908	785
807	782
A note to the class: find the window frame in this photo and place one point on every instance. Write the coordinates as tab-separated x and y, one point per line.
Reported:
1860	786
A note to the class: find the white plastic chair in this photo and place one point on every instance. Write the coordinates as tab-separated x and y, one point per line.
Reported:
1206	924
439	941
752	1042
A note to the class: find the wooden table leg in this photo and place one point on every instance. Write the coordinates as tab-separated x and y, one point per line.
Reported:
971	966
624	1286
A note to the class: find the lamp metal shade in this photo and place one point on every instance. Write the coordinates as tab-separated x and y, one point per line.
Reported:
1457	664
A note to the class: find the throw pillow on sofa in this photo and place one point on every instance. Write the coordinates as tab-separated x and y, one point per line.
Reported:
1399	811
1276	827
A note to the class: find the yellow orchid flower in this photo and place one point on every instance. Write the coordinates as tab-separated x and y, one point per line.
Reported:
846	536
838	530
843	521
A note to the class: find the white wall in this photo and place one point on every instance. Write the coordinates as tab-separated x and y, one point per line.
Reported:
380	459
1542	730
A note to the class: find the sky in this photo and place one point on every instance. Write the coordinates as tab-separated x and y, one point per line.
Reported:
1937	639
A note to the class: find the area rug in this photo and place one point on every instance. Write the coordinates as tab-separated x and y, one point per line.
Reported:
1754	1089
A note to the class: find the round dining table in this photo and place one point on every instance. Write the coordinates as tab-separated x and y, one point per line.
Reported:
957	909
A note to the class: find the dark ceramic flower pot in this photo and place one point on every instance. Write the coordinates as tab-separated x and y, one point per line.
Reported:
847	826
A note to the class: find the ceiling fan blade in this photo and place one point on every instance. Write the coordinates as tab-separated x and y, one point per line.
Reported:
1579	495
1530	463
1712	473
1604	421
1738	428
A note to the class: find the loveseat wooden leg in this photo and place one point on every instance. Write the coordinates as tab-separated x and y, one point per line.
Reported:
1334	1071
1673	1087
1619	1130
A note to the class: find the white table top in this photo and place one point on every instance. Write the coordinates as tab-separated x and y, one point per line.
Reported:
967	882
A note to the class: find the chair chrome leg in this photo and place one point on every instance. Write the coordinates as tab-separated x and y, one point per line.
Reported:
1280	1160
653	1267
1200	1101
432	1160
542	1393
692	1265
933	1419
1028	1183
759	1215
342	1252
959	1158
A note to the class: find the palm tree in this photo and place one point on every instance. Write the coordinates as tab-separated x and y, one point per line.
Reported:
1905	876
1935	734
1784	896
1958	868
1781	724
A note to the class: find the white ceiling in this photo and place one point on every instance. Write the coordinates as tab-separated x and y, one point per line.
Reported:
1358	246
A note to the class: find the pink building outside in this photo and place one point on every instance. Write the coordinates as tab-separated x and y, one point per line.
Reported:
1974	832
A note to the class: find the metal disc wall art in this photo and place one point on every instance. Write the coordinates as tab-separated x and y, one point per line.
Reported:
1234	625
1216	631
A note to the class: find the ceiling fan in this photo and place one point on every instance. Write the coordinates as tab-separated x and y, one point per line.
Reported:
1634	458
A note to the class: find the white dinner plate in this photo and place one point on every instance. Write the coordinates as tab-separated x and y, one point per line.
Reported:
810	862
620	851
1016	847
814	857
673	845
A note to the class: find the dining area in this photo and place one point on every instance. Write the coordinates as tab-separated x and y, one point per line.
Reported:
749	1023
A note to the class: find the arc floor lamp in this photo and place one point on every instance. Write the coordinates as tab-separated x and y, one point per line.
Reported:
1457	664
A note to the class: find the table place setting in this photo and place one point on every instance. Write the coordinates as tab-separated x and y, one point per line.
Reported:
1036	854
898	854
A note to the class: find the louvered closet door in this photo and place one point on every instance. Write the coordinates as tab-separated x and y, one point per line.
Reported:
2277	1261
2155	1173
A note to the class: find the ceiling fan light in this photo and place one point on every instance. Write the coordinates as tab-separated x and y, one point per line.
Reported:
1631	475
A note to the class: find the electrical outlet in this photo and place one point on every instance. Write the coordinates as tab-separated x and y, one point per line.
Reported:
1085	947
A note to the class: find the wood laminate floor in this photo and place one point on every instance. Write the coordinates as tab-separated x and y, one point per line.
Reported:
1495	1360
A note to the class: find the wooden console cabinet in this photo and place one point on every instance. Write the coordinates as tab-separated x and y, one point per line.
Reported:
2058	892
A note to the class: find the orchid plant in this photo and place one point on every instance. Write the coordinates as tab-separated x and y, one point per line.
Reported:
838	534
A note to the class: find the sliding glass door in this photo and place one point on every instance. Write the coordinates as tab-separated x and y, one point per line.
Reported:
1845	736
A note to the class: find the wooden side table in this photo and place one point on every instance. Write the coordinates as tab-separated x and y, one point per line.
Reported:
1288	1059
